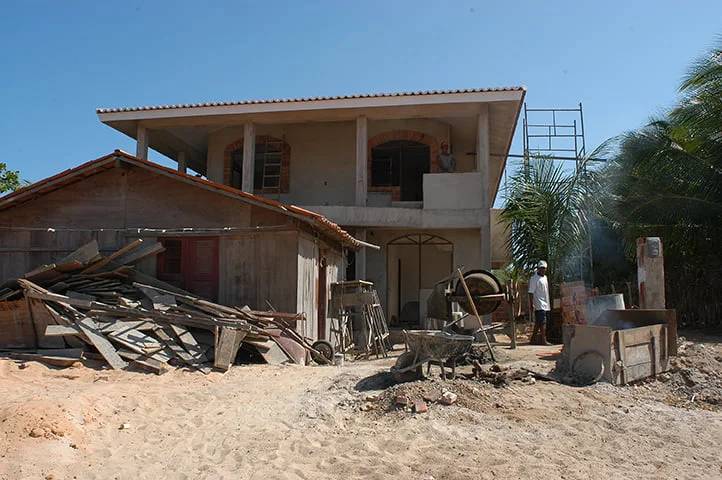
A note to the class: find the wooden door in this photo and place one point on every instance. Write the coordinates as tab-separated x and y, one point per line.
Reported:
190	263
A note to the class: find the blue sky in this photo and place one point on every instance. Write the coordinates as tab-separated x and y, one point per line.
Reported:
62	59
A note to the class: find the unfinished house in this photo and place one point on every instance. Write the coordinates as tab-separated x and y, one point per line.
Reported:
367	163
220	243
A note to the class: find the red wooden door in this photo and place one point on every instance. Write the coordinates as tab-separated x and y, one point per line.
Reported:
190	263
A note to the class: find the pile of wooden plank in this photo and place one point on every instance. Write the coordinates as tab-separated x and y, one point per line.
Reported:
89	306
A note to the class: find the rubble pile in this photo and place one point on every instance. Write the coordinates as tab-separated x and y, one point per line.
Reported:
90	306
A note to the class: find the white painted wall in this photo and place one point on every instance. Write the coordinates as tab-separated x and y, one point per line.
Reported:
452	191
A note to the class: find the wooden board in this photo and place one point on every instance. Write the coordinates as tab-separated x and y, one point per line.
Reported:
62	352
135	340
105	348
191	345
41	319
166	335
16	325
141	253
109	258
82	255
144	360
49	360
229	339
140	325
61	330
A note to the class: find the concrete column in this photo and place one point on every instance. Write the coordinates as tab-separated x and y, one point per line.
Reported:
483	167
362	138
361	255
182	162
650	273
249	156
141	146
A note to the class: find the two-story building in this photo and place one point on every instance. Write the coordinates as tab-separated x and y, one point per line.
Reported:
367	163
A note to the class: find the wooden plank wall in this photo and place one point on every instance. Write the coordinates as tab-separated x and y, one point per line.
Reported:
259	267
307	283
107	207
23	250
16	327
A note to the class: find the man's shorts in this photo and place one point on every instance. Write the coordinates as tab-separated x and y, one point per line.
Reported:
541	316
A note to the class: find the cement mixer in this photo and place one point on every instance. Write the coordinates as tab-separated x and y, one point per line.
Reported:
486	292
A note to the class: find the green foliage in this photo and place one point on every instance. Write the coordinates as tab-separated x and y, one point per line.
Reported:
9	179
665	180
546	214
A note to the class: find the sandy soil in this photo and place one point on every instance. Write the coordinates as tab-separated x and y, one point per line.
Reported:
288	422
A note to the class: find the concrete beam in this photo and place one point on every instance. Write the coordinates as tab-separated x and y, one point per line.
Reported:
249	156
483	166
141	146
361	160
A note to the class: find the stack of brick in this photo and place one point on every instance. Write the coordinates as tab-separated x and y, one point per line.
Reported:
573	300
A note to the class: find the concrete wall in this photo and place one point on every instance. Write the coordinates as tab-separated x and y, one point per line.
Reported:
323	155
322	160
452	191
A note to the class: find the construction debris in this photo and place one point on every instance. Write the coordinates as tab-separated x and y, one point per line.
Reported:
102	308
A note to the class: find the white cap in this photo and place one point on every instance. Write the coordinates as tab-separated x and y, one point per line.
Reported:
541	264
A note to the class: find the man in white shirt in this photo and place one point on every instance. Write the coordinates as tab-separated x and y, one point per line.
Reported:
540	304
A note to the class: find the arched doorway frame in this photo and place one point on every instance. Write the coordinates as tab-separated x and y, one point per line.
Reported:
418	240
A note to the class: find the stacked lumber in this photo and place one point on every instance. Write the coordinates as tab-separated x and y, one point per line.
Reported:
90	306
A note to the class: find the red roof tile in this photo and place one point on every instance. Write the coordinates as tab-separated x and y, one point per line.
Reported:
308	99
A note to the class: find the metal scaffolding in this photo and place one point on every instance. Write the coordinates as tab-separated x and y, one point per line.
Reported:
558	134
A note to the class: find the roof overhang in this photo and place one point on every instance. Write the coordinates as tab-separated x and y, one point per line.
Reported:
186	128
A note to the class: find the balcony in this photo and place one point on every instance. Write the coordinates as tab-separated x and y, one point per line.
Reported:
451	200
452	191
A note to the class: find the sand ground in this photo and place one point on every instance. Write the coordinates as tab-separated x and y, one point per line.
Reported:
331	422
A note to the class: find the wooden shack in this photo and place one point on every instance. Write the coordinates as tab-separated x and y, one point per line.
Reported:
220	243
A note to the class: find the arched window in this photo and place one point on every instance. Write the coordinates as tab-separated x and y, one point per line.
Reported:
270	168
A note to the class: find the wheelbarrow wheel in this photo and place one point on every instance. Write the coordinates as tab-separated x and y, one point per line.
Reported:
325	352
400	372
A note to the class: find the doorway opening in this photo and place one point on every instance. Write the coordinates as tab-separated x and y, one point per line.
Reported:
402	164
414	264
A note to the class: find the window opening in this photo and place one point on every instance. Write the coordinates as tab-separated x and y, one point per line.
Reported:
401	163
266	167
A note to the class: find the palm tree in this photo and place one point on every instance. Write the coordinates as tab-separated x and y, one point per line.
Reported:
546	215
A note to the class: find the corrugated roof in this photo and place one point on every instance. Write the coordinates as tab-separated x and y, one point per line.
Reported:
317	221
309	99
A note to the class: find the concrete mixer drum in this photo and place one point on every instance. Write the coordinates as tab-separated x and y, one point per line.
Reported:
485	289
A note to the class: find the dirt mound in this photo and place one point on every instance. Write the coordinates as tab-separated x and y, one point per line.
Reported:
37	421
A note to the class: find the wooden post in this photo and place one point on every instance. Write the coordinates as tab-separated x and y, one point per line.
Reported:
511	298
476	314
182	162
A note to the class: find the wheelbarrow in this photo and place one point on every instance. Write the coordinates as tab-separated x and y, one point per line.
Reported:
432	346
